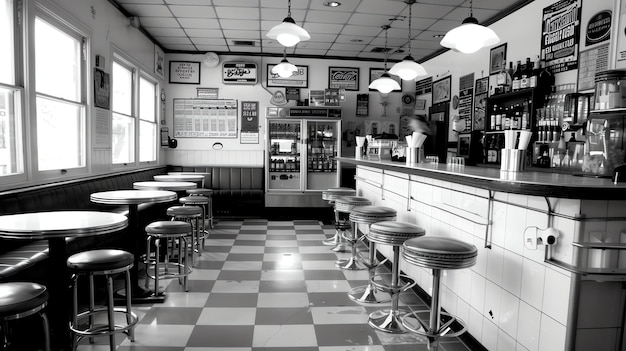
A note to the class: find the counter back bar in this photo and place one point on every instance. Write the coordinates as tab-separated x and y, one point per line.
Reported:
549	246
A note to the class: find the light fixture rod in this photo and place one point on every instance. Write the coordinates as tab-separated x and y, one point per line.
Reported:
471	8
385	28
288	8
410	2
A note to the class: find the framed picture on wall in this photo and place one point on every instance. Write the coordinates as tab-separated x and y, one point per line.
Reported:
343	78
375	73
159	62
497	59
185	72
441	90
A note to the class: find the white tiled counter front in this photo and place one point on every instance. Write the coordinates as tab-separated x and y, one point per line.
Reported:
512	299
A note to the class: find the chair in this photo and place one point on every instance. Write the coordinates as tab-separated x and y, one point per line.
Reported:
191	214
20	300
336	241
346	204
170	231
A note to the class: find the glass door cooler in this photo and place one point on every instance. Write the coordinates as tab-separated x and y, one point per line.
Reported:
301	161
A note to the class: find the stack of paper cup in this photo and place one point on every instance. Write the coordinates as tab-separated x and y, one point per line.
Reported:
360	142
413	151
513	157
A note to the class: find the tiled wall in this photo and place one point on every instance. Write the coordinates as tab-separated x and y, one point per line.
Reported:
511	299
249	158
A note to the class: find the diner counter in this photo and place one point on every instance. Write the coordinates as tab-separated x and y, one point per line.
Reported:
523	183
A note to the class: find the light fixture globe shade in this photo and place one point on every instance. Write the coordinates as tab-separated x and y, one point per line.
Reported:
408	69
284	69
288	33
469	37
384	84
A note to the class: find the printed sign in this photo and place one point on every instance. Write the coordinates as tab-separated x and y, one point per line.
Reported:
560	35
184	72
249	116
299	78
239	73
599	28
292	93
343	78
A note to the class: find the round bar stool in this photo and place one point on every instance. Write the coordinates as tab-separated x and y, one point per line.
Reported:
437	254
208	193
192	215
20	300
394	234
346	204
369	215
201	202
170	231
330	195
107	263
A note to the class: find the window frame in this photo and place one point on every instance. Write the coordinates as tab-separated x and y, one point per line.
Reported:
58	18
125	62
143	75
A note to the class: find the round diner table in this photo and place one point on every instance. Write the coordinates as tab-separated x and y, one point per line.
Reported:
133	198
172	186
56	226
196	178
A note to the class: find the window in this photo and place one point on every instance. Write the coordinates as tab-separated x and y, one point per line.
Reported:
147	120
11	159
59	86
123	121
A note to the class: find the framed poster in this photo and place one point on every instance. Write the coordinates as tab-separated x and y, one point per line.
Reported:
441	90
239	73
207	93
299	79
205	118
159	62
185	72
463	145
375	73
362	105
497	59
101	89
343	78
480	103
560	35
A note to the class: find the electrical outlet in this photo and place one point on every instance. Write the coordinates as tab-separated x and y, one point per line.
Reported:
530	238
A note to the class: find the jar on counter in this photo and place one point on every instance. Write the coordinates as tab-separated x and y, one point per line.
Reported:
610	90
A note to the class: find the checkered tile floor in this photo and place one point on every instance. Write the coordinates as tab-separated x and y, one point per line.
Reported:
262	285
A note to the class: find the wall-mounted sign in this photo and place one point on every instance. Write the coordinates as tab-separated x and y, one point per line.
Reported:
239	73
207	93
362	105
343	78
331	97
292	93
424	86
599	28
299	78
184	72
249	122
560	35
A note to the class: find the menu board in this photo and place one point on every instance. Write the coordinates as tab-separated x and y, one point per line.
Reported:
205	118
466	96
560	35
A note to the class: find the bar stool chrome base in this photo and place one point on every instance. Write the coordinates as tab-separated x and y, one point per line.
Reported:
390	320
368	294
351	264
413	323
331	195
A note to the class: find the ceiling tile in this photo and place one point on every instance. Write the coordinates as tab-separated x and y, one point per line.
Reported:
245	48
237	12
240	24
431	11
362	19
422	23
193	11
166	32
273	50
173	40
220	48
282	4
444	25
241	34
343	53
429	35
208	41
330	38
348	47
148	10
447	2
188	2
277	16
313	45
206	33
199	23
425	44
490	4
361	30
140	2
346	6
462	13
391	42
353	39
238	3
181	47
327	17
385	7
167	22
323	28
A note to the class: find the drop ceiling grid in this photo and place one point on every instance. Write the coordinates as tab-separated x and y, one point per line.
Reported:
200	25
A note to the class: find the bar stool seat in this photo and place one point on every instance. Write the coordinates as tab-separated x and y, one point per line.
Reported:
168	231
200	202
194	200
189	211
20	300
437	253
105	262
189	214
369	215
208	193
394	234
200	192
336	241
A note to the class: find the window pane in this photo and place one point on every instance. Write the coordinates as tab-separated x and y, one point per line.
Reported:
58	62
147	141
122	89
147	100
60	135
7	43
123	139
11	161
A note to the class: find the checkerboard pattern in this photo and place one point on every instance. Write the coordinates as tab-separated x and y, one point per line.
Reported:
263	285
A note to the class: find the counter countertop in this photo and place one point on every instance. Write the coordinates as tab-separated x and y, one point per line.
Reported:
525	183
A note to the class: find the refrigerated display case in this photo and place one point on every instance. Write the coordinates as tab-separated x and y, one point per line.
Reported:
301	159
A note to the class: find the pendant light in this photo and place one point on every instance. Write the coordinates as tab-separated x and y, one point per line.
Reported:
408	69
288	33
284	69
470	36
385	84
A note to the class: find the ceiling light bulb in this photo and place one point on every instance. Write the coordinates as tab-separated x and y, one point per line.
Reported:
288	33
284	69
408	69
469	37
385	84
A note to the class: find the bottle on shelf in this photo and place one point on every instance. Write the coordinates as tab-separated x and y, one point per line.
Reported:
509	78
506	119
534	78
492	117
517	76
499	118
526	74
525	121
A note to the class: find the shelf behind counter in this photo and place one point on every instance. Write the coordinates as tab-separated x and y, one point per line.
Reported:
523	183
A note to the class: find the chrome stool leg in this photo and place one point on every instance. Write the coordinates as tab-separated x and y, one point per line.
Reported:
369	293
342	244
353	263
